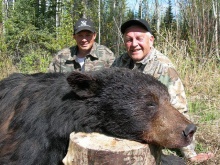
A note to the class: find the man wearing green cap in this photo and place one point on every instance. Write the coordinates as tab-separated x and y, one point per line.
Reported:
87	55
141	55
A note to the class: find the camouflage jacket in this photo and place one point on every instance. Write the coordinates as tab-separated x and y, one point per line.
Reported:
66	60
159	66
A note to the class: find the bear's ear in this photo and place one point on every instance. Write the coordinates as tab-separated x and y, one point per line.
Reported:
83	85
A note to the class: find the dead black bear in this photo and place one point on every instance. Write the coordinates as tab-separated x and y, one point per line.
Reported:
39	111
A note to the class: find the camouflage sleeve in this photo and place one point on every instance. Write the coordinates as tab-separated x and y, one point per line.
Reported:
176	90
58	62
111	58
106	56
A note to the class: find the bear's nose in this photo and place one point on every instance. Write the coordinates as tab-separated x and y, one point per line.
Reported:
190	130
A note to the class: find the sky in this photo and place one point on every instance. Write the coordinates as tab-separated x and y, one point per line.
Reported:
133	4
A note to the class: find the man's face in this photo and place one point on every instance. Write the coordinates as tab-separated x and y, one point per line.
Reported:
138	42
85	39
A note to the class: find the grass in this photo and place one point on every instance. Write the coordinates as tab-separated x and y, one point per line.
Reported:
201	78
205	113
6	66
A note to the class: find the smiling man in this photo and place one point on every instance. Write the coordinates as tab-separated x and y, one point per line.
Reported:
142	55
86	55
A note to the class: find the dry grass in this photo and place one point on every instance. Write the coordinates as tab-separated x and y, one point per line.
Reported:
6	66
201	78
208	138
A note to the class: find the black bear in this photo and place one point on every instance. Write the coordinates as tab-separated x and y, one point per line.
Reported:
39	111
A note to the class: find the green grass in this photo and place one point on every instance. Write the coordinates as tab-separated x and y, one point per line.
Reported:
200	148
204	112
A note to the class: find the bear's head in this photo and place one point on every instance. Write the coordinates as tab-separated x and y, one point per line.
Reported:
134	106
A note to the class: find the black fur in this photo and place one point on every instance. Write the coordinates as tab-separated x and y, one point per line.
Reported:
39	111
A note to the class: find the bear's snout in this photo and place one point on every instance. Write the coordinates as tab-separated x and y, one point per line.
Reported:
189	131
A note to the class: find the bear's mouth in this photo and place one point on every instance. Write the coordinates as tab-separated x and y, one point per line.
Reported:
183	142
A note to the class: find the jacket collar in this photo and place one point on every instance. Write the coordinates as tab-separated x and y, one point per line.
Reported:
92	53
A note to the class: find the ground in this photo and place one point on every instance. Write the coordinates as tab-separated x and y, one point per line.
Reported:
207	137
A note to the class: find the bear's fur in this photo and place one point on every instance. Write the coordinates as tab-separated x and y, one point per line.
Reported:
39	111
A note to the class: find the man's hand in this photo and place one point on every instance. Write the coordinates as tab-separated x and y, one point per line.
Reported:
202	157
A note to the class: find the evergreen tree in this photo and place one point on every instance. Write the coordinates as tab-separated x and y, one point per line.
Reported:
168	19
1	12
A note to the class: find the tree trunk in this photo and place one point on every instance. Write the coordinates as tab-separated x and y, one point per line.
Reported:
215	11
98	149
157	15
58	9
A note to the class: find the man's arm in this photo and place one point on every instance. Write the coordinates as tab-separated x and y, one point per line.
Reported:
58	63
106	55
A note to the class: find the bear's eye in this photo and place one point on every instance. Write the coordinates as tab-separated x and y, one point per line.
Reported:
151	104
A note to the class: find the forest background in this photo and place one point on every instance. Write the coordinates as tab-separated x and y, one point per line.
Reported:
187	31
